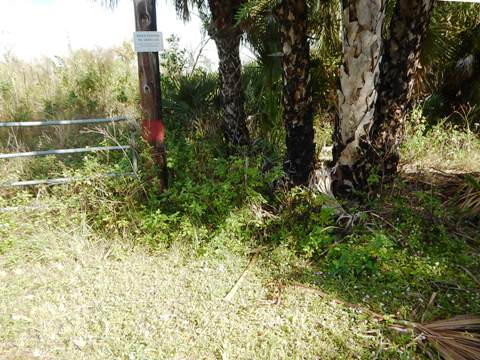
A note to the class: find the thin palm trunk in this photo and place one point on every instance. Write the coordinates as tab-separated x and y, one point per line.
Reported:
400	62
227	35
297	90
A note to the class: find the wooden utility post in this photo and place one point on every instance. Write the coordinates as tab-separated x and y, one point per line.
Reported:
150	90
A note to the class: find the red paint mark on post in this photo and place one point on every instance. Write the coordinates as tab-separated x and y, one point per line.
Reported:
154	131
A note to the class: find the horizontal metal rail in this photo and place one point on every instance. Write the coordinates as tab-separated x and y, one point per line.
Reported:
62	122
23	208
61	181
63	151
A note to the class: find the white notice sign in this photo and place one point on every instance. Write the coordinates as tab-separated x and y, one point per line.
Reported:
148	41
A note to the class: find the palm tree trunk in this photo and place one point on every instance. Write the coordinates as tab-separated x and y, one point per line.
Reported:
297	90
399	64
357	94
227	37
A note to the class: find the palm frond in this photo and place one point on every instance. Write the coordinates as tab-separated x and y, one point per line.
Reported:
447	41
457	338
262	29
184	8
463	191
454	338
325	24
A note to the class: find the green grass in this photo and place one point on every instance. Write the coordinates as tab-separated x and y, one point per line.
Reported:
68	293
442	146
94	277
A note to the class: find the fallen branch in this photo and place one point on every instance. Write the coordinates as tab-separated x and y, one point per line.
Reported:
233	290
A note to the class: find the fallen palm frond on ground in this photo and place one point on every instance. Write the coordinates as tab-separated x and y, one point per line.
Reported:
459	189
457	338
469	200
453	338
320	182
463	191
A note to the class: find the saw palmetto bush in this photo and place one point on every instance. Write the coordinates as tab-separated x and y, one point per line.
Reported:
190	94
192	99
450	27
450	74
262	36
263	102
262	78
463	192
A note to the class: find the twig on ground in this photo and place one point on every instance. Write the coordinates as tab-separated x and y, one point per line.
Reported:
386	222
474	278
340	302
233	290
430	303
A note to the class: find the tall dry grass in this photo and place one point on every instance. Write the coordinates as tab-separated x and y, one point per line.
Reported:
83	84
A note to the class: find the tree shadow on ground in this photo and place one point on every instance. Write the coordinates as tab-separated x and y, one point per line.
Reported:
414	254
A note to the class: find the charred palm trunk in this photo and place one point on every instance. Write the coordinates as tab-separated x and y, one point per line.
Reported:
400	62
357	94
227	37
297	91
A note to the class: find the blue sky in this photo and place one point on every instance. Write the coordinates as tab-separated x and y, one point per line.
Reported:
50	27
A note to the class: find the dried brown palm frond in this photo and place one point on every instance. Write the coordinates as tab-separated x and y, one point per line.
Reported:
207	126
469	200
458	189
463	191
456	339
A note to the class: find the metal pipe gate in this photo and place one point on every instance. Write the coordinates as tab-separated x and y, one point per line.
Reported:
124	148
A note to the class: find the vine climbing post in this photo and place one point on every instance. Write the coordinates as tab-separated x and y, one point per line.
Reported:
149	80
